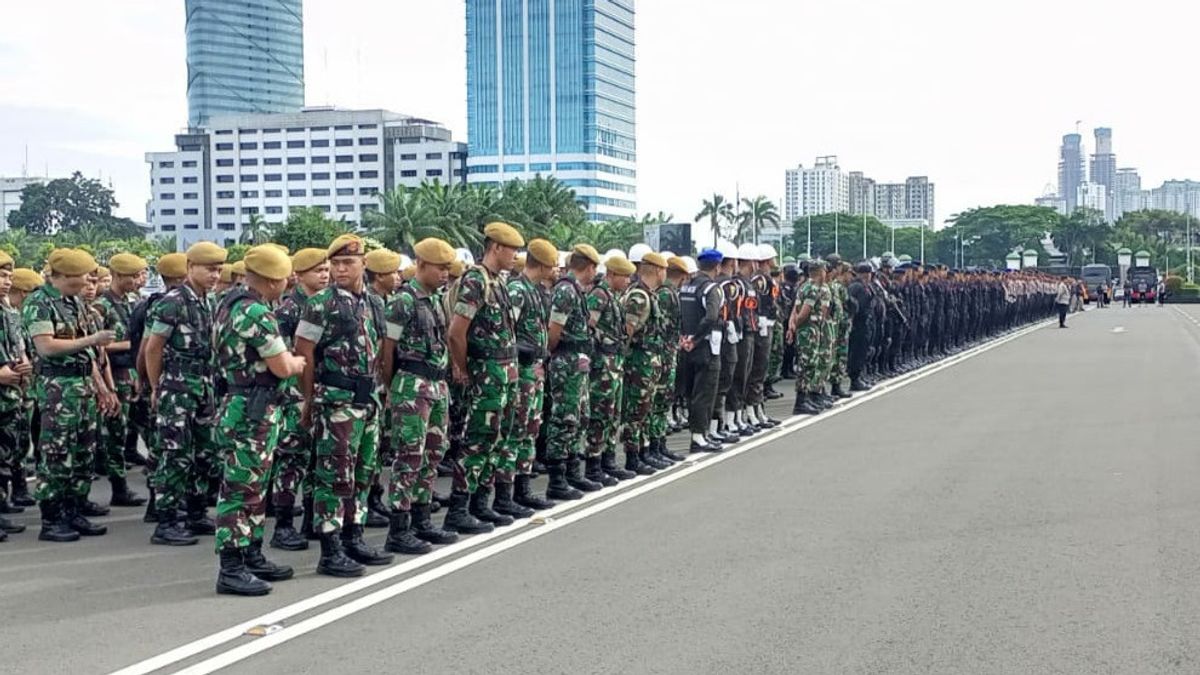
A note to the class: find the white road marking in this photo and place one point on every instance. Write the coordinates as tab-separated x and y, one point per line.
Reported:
527	532
1119	329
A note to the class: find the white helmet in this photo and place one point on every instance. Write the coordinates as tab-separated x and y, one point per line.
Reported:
611	252
563	256
465	257
767	252
667	255
405	262
748	251
727	249
692	268
637	251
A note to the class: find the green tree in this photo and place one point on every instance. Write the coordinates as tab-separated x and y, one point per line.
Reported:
1168	226
401	222
718	211
65	205
759	213
841	233
256	230
988	234
307	228
1082	236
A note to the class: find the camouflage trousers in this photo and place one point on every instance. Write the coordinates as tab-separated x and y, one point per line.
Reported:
775	361
143	425
293	456
110	451
248	450
809	359
829	340
9	426
604	399
841	353
346	439
642	381
526	421
487	401
416	437
567	381
187	458
68	437
664	394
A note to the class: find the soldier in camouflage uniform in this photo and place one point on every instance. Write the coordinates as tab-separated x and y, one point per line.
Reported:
383	278
416	363
294	453
569	369
114	308
253	361
24	281
643	374
532	310
68	389
339	335
179	364
805	330
842	317
669	310
15	366
606	378
483	352
826	345
92	323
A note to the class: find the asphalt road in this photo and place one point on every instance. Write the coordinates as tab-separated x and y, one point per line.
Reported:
1030	509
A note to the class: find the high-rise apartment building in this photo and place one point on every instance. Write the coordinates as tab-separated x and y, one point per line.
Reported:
862	194
550	90
1127	192
811	192
244	56
891	201
1070	170
919	199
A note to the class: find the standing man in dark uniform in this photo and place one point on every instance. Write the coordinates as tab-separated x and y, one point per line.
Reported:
702	334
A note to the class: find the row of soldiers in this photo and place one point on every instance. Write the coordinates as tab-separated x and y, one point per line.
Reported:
303	377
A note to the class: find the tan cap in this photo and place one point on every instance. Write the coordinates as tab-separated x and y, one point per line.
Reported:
71	262
25	279
503	233
227	273
308	258
435	251
457	268
173	265
102	271
677	263
543	252
382	261
238	268
268	262
127	264
5	259
619	266
347	244
206	253
655	259
588	251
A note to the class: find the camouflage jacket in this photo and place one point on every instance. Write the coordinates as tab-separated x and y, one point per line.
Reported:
245	333
14	349
48	312
640	307
609	316
347	333
416	321
532	314
114	311
568	308
481	298
184	320
809	295
668	305
287	315
837	298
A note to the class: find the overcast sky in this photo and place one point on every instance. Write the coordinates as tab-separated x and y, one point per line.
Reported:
976	95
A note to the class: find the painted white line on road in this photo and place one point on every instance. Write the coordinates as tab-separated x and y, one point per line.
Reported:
606	500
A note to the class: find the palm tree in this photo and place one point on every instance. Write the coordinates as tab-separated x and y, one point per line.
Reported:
400	223
447	214
255	231
716	210
759	212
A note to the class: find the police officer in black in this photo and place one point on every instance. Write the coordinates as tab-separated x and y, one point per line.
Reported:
701	336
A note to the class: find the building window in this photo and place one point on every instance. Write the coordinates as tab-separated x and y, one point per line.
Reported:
320	175
224	162
297	193
295	130
459	155
189	164
188	180
343	127
320	160
250	210
191	226
273	210
271	145
191	212
458	172
272	161
368	140
248	161
368	174
297	176
369	157
250	145
167	212
323	207
249	178
540	167
320	143
343	208
408	173
167	228
271	131
433	155
344	175
491	168
368	126
296	160
224	146
225	194
343	142
225	211
249	194
514	168
271	194
345	159
166	165
295	144
247	131
345	192
368	191
368	207
224	132
407	157
166	180
320	192
167	195
224	178
228	227
433	172
272	177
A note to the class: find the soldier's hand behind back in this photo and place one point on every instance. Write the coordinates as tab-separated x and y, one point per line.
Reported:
103	338
9	377
295	364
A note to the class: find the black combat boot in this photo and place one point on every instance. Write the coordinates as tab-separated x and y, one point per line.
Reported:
122	495
857	384
20	490
506	506
401	538
79	522
655	463
3	535
481	508
438	502
425	530
9	527
378	513
635	465
258	565
837	391
334	562
55	527
523	494
665	452
286	537
5	506
89	509
658	448
559	489
608	464
594	473
576	479
151	515
459	519
771	393
804	405
234	578
170	530
198	522
357	548
306	528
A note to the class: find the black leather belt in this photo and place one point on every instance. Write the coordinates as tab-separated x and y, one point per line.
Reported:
422	369
497	355
363	387
64	370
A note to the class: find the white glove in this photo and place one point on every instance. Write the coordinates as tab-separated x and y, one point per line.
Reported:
714	342
764	329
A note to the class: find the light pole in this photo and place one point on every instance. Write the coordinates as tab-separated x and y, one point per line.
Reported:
836	246
864	236
810	235
922	241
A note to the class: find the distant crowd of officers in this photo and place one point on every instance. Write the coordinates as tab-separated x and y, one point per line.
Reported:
284	384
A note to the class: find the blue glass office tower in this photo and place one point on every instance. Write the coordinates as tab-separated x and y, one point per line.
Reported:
550	90
244	56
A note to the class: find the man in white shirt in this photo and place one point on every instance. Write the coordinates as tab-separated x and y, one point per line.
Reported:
1062	300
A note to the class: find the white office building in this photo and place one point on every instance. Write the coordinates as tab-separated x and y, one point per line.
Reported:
10	195
338	161
822	189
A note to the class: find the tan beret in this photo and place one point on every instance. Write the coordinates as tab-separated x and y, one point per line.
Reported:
127	264
677	263
102	271
457	268
410	272
5	259
619	266
227	273
382	261
71	262
543	252
281	247
268	262
206	253
435	251
655	259
588	251
173	265
503	233
25	279
347	244
308	258
239	268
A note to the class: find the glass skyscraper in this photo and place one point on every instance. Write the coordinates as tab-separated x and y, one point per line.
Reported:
244	56
550	90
